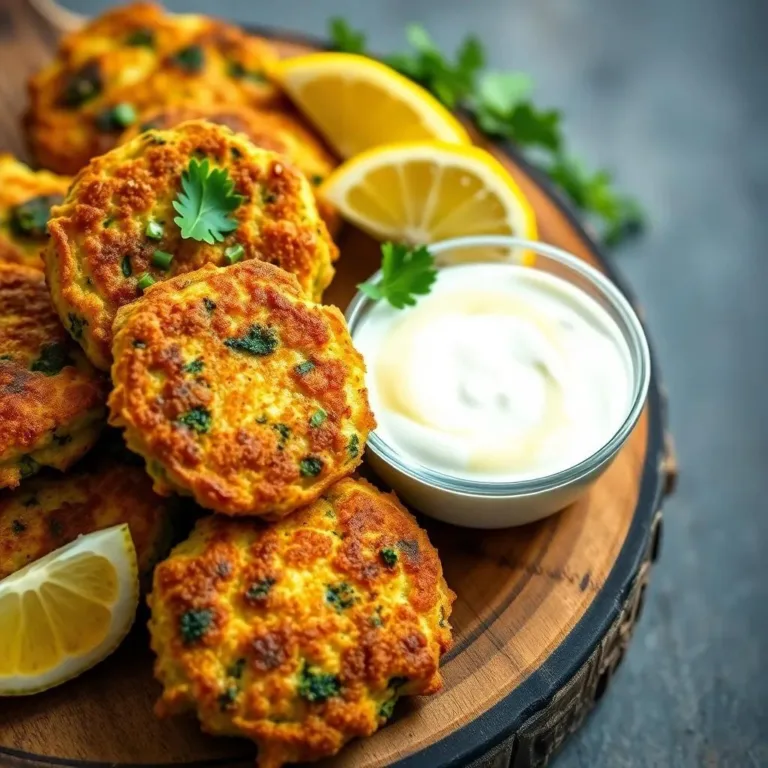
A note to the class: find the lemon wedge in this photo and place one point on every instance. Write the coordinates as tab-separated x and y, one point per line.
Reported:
62	614
358	103
422	192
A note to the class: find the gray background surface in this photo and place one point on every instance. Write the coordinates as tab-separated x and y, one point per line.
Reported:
672	95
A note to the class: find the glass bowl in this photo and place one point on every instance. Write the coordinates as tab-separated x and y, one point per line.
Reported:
491	504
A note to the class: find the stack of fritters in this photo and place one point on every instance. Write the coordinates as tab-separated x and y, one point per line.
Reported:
131	59
231	382
120	211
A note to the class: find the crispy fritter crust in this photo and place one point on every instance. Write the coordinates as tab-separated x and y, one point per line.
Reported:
238	390
283	132
52	401
301	635
139	56
99	246
20	188
52	510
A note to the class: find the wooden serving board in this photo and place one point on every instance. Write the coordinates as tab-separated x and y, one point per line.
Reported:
543	616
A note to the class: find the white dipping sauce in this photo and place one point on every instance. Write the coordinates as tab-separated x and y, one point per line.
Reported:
501	373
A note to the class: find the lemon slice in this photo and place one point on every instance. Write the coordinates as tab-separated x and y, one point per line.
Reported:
358	103
422	192
64	613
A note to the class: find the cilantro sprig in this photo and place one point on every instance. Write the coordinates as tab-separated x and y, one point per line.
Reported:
502	105
405	273
205	202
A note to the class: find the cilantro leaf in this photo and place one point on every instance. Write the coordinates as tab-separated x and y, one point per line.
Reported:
498	93
449	81
593	193
205	203
344	38
503	108
405	273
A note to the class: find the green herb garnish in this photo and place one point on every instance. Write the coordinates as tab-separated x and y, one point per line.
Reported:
405	273
503	109
193	624
317	686
145	281
283	430
30	218
234	253
258	340
260	589
53	357
28	467
197	418
388	557
162	260
317	418
344	38
82	86
141	38
76	325
195	366
205	203
353	447
340	596
388	707
236	669
125	266
311	466
304	368
154	230
449	81
237	71
116	118
209	304
190	59
622	217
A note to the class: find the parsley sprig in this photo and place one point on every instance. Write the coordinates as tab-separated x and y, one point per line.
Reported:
206	202
501	104
405	273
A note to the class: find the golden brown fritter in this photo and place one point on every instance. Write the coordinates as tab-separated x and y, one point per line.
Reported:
130	59
303	634
283	132
119	213
52	510
52	401
26	197
238	390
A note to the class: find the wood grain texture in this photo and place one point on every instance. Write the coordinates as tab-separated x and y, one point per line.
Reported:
521	592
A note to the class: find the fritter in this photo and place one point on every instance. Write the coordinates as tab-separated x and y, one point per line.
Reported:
238	390
117	227
303	634
130	59
26	197
52	401
52	510
283	132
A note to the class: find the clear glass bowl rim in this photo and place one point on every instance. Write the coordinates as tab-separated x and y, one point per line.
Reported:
632	331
